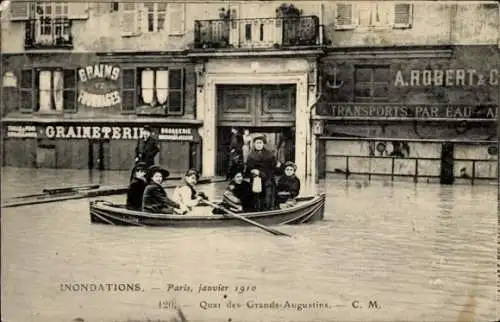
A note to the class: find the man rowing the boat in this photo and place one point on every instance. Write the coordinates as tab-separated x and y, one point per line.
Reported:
155	199
185	194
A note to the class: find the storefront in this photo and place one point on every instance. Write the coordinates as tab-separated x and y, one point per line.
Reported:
84	111
264	94
427	115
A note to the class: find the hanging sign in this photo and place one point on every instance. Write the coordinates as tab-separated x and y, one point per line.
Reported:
446	78
99	86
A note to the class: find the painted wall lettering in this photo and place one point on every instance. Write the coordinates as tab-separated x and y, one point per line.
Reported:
113	133
99	86
373	111
21	131
446	78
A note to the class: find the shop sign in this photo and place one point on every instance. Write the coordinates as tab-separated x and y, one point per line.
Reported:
98	86
113	133
21	131
176	134
446	78
368	111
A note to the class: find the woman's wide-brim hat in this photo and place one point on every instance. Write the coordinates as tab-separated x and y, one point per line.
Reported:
290	164
260	137
156	168
190	172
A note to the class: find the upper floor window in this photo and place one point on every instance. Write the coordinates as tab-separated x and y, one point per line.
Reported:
155	16
373	15
138	18
153	90
371	83
47	90
48	24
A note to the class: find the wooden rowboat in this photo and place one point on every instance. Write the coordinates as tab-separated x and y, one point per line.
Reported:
307	209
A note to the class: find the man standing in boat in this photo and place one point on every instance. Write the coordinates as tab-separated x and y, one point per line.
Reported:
147	147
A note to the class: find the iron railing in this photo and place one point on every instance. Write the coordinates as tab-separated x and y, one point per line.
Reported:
257	33
48	33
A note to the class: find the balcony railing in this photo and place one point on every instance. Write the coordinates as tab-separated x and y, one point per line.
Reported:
257	33
48	33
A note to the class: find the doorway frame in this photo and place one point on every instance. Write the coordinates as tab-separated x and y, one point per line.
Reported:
209	114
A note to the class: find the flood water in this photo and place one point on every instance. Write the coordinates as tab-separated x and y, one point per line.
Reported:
421	252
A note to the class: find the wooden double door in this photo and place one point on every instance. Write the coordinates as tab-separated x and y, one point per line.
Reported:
256	105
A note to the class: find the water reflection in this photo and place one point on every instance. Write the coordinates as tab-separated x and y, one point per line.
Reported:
420	251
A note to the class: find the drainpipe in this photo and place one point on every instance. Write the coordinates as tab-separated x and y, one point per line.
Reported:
309	134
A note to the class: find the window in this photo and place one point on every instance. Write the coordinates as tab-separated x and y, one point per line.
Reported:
51	22
47	90
373	14
155	16
372	83
403	15
344	16
153	90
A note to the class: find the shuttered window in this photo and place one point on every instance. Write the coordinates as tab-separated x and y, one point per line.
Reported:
344	16
26	97
176	18
161	89
129	88
19	10
403	15
131	20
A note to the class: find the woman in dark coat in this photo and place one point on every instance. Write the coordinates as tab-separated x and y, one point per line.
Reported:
155	198
262	163
136	187
238	196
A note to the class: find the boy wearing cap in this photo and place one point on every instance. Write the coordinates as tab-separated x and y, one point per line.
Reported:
288	186
147	147
136	187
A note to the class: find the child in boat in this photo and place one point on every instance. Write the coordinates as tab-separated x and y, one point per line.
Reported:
185	194
136	187
155	198
288	186
238	196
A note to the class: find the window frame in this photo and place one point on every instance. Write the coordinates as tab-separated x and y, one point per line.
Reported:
350	26
156	14
406	25
372	84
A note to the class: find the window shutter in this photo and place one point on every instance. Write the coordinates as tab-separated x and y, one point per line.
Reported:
129	87
69	94
26	101
344	16
175	91
19	10
176	18
130	19
365	14
78	10
402	15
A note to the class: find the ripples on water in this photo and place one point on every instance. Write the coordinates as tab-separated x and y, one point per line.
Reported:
418	250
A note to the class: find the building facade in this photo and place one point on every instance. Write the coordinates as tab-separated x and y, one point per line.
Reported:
355	81
410	90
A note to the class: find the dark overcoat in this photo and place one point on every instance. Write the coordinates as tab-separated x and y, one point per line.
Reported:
146	150
134	193
265	162
155	199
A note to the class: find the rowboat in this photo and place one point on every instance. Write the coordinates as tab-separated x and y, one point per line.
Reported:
82	192
308	209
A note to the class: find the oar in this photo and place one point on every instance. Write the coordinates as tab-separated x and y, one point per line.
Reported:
251	222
